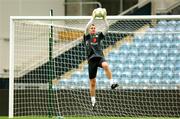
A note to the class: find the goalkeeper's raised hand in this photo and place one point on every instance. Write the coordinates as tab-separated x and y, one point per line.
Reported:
93	14
99	12
105	13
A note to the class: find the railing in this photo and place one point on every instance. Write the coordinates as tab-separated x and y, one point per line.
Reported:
139	5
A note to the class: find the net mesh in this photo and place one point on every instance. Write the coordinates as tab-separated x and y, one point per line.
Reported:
143	55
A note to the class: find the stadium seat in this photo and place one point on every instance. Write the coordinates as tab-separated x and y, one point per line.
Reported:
172	23
162	23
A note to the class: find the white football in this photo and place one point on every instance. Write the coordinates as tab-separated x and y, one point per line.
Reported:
100	12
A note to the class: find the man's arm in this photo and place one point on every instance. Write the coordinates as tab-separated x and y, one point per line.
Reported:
88	25
90	22
106	26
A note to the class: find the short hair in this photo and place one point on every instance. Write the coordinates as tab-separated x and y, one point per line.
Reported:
91	25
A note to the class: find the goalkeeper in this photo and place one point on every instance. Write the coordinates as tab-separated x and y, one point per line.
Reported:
95	56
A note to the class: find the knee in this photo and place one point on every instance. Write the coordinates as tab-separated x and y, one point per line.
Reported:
105	65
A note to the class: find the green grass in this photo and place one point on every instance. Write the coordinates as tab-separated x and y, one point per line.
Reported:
94	117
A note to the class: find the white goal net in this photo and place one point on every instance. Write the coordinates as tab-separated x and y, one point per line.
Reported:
49	69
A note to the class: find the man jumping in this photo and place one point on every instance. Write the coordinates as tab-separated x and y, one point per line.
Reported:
95	56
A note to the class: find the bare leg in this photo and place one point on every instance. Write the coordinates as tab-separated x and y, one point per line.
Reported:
93	90
108	73
107	70
92	87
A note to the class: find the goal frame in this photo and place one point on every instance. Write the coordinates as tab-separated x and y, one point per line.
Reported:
13	18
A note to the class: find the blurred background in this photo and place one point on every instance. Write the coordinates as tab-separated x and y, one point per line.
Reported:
69	8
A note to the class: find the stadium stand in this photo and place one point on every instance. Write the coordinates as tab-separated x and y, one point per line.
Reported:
150	61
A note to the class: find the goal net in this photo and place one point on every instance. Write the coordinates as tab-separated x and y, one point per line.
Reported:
49	70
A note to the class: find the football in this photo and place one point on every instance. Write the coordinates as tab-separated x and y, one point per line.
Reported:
99	12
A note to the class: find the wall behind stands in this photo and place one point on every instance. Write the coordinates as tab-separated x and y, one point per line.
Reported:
4	102
21	8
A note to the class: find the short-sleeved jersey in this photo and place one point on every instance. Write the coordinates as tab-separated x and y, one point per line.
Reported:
93	45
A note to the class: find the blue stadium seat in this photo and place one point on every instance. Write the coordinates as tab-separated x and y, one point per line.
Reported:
178	28
138	38
162	23
161	29
148	37
178	22
103	84
176	78
158	38
172	23
171	28
177	37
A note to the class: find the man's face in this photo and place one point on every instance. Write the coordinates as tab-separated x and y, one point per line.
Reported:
92	29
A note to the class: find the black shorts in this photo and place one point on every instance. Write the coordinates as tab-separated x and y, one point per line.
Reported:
93	65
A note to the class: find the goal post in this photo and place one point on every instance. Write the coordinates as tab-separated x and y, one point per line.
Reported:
142	53
11	71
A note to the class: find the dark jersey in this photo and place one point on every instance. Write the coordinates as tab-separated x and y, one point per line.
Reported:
93	45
